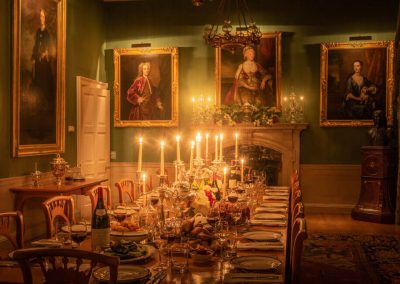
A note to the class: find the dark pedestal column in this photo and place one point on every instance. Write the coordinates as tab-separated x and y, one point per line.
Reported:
377	200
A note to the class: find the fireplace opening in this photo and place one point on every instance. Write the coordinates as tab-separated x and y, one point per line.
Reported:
262	159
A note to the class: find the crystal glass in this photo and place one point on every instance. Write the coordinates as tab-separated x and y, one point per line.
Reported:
78	234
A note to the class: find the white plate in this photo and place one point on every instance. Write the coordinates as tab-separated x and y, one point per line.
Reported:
263	236
66	229
270	210
275	197
125	273
136	236
276	193
275	204
256	263
269	216
278	187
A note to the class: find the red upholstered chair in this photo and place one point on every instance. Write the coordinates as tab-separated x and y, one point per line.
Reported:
93	195
58	207
10	221
64	265
299	234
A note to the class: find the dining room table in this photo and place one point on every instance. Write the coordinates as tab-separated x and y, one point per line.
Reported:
216	270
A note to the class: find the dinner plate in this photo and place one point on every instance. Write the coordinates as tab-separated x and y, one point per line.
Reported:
263	236
276	193
136	236
126	259
274	204
277	187
66	229
275	197
126	273
269	216
256	263
270	210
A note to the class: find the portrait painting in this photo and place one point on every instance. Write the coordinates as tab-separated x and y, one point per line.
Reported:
355	81
38	77
251	74
146	87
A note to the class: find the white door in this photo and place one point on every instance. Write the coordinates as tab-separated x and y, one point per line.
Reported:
93	128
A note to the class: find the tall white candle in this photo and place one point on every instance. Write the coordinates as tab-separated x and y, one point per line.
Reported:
236	147
178	148
221	137
198	146
162	159
216	147
140	154
242	171
206	146
191	155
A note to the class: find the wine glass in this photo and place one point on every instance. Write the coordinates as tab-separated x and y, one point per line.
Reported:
120	214
78	234
236	215
222	233
168	233
161	245
233	196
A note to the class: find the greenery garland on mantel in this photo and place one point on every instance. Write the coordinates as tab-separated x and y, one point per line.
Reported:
234	114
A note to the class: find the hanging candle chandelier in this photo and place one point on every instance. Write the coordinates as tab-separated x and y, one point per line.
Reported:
233	28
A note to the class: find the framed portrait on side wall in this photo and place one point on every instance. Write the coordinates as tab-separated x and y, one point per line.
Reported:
38	77
251	74
146	87
355	80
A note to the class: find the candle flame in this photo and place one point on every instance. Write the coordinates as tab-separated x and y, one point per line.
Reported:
140	140
236	135
144	177
193	99
178	138
225	170
192	144
242	160
207	135
221	135
301	98
209	99
285	99
162	143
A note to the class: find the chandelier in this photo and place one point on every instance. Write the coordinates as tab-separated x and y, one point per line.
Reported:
225	35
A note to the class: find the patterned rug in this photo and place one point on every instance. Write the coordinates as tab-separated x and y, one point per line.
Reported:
351	258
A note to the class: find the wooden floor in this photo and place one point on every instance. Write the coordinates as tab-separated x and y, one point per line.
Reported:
342	223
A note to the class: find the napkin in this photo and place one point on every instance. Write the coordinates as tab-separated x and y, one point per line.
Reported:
260	246
270	210
252	278
47	243
271	223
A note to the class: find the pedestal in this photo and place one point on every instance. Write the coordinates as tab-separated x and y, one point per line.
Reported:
377	200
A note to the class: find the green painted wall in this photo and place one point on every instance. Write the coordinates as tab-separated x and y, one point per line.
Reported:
84	57
304	24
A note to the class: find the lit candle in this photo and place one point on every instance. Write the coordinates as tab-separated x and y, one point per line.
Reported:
221	137
242	171
191	155
198	146
178	148
216	147
206	146
140	154
224	185
236	147
162	159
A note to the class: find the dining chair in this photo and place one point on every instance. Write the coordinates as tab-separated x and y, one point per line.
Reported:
294	177
298	211
7	222
58	207
126	187
299	234
296	198
64	265
93	195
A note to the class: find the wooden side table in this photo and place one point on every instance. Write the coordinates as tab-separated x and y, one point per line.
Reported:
377	200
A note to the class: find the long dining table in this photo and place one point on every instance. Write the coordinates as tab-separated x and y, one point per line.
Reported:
213	272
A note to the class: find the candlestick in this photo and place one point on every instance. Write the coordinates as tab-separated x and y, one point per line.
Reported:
221	137
162	159
206	146
236	147
140	154
216	147
178	148
176	172
198	146
191	155
242	171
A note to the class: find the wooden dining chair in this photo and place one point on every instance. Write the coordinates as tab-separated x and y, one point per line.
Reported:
299	234
294	177
298	211
126	187
64	265
7	222
296	198
93	195
58	207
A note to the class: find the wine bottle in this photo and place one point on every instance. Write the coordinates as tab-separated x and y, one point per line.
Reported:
232	183
215	188
100	224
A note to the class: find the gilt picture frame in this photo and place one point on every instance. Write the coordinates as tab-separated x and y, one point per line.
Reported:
229	67
146	87
356	78
38	84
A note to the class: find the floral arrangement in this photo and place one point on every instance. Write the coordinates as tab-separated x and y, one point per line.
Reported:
235	114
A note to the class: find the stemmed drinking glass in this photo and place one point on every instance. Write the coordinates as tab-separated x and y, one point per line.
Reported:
78	233
236	215
222	233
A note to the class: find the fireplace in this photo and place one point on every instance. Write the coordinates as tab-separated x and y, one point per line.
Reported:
274	149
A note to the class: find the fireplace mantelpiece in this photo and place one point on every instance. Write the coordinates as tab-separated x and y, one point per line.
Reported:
282	137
